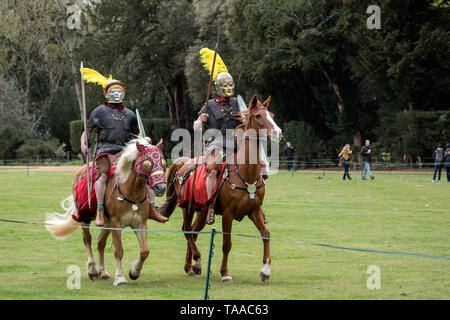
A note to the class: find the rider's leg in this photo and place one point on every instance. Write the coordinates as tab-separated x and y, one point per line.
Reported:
100	187
212	161
103	166
211	181
153	212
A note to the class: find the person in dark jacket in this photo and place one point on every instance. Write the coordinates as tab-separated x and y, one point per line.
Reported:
447	161
288	153
438	156
366	153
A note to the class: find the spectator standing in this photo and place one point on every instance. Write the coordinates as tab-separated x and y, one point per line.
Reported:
288	153
447	161
366	153
345	157
438	156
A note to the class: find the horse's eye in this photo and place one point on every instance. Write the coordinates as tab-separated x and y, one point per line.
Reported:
257	116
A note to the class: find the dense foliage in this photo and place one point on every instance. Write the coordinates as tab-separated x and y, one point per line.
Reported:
332	79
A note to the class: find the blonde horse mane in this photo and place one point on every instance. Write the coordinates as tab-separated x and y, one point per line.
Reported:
129	154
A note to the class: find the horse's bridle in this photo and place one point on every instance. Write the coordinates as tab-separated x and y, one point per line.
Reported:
251	115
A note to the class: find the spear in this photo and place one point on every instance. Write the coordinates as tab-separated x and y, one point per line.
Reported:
203	125
83	99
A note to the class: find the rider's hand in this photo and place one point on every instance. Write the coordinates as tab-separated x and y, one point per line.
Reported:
203	117
83	145
84	150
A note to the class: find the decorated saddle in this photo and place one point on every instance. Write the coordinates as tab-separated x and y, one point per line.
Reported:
200	201
84	213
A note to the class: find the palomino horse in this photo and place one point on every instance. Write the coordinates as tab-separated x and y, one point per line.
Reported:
140	170
241	191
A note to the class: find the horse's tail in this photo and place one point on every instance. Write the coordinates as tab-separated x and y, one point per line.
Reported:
168	207
62	225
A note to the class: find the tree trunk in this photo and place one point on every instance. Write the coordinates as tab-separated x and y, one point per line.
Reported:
357	140
170	102
179	102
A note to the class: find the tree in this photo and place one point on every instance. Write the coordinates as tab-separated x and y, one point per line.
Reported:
149	47
24	35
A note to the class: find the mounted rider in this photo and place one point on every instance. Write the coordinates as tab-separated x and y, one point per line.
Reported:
115	126
225	112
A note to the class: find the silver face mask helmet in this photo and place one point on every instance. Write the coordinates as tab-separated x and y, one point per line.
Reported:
115	95
114	91
221	78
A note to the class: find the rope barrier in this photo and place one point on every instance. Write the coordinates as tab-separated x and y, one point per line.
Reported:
341	247
109	228
251	236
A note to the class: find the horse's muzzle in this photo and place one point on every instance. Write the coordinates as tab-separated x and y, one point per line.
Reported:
276	135
160	189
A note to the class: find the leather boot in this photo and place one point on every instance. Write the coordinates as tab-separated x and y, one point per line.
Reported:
210	216
155	215
100	216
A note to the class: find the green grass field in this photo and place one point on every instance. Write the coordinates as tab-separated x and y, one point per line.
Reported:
401	212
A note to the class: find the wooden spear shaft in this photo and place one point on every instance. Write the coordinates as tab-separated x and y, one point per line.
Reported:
83	100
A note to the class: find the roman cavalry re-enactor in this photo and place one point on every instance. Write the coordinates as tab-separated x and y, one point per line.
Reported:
115	126
224	112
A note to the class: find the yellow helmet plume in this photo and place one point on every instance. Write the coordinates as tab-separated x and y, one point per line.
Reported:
92	76
207	57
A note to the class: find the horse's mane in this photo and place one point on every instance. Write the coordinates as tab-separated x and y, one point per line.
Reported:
125	163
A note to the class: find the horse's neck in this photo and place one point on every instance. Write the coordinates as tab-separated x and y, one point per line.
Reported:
134	187
248	159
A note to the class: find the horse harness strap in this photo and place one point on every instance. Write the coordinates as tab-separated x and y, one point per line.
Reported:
251	188
184	177
121	197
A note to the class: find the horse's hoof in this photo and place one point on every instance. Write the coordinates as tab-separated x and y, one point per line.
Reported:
104	275
93	276
120	281
264	278
191	274
132	276
227	279
197	268
134	273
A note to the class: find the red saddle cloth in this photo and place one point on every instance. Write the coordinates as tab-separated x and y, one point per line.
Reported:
200	201
86	214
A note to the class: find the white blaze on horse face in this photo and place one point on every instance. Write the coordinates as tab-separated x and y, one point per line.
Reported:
276	132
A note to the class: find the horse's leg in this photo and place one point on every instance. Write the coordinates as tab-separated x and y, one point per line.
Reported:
257	217
118	253
91	266
199	224
101	244
227	223
187	226
142	237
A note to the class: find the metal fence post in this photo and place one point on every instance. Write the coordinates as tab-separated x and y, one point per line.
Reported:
208	270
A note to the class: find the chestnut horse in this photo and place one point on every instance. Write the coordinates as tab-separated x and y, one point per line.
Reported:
140	171
241	191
